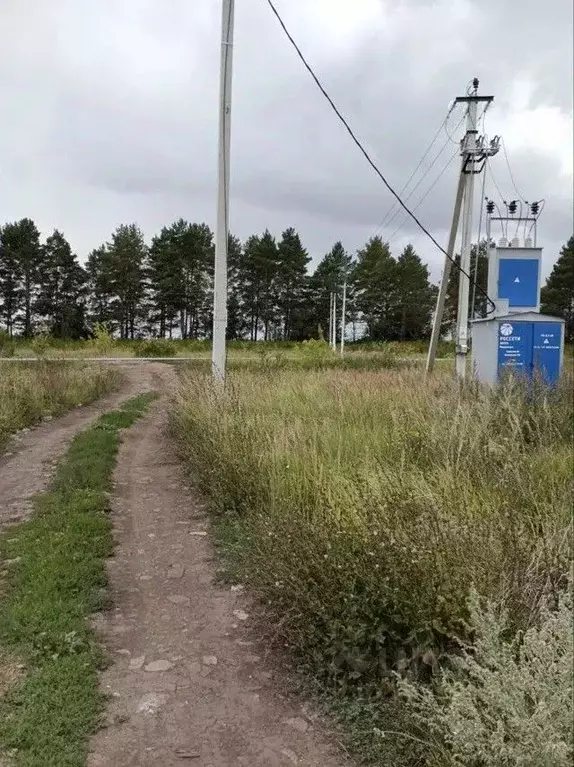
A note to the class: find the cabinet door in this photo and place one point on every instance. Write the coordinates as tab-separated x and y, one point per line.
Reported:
546	348
518	281
515	347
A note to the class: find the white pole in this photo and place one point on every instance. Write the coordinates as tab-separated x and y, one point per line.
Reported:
441	298
218	357
330	319
464	283
343	317
334	341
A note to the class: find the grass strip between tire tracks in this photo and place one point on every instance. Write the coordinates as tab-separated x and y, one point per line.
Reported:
54	579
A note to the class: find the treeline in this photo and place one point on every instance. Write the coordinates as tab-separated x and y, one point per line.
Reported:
165	288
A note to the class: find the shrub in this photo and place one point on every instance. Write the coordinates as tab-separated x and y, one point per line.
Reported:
41	344
102	340
156	347
503	702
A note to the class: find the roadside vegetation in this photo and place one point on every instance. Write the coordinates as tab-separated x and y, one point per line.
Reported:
387	526
53	580
30	392
104	345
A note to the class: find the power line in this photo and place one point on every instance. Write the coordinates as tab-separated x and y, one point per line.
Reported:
477	256
364	152
418	165
510	172
426	194
422	178
488	168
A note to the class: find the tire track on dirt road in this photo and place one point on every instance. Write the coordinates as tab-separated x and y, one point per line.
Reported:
27	468
186	684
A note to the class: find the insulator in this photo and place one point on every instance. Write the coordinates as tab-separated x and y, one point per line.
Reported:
490	207
503	242
534	208
515	243
528	242
512	207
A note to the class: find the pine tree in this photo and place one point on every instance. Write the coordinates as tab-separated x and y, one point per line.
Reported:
259	270
557	295
63	289
10	278
236	321
328	278
20	275
196	250
451	301
126	262
415	296
292	260
166	276
376	283
100	291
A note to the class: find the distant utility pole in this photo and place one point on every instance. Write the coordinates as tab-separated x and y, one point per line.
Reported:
218	355
343	317
334	324
474	154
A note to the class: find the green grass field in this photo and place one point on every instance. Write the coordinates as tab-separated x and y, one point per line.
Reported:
360	507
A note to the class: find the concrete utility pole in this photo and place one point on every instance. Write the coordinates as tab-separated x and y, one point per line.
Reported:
474	154
441	298
343	317
334	323
218	355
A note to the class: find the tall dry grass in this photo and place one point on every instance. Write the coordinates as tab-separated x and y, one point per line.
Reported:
361	507
32	391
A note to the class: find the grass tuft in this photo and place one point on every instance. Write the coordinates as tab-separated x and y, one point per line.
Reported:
30	392
56	580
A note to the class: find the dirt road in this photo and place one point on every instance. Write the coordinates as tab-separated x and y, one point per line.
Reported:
188	683
27	466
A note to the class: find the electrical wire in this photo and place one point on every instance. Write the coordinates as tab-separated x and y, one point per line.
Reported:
410	178
425	195
510	171
477	257
450	135
422	178
364	152
489	168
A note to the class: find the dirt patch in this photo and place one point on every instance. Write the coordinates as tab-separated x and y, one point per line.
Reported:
10	673
26	470
188	683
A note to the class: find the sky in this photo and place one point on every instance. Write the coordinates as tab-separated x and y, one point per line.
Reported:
109	115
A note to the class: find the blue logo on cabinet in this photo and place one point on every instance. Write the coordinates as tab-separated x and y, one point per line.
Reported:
526	348
515	346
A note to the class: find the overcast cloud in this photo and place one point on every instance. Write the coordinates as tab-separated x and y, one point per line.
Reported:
109	113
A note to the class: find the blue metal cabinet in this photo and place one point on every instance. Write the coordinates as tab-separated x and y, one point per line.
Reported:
518	281
547	342
515	347
529	347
